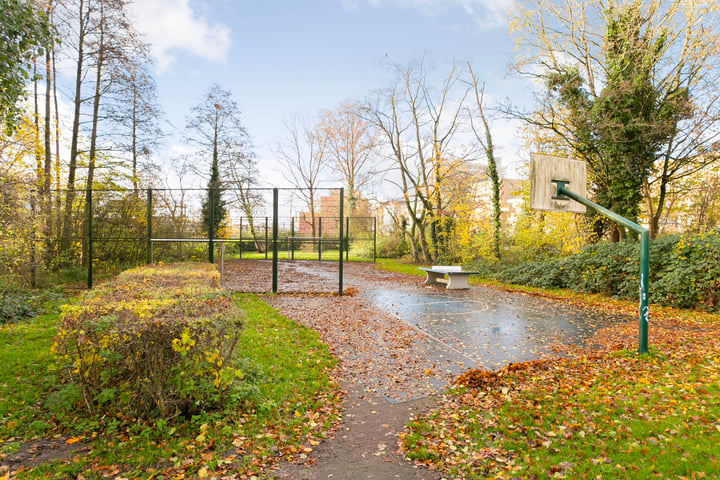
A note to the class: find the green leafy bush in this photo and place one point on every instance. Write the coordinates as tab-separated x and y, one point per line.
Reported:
684	271
155	342
394	246
17	303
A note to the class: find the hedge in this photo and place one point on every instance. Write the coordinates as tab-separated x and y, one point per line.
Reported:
684	271
154	342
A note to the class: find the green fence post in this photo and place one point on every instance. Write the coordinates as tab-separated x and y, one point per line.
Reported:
211	227
319	238
266	238
88	201
340	246
241	240
149	226
274	243
292	238
374	239
347	237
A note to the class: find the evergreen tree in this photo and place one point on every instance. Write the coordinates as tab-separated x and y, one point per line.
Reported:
214	126
213	207
620	131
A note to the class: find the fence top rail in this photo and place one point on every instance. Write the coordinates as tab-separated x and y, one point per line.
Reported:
218	240
156	189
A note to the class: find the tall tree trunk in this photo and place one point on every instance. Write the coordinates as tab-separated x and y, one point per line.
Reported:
134	152
47	167
92	154
72	165
46	197
58	169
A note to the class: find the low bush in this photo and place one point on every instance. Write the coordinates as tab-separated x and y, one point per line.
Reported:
395	246
17	303
156	342
684	271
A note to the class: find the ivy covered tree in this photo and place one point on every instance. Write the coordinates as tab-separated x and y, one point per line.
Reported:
632	89
214	126
619	132
25	33
214	206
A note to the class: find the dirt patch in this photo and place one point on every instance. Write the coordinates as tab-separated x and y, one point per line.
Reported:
36	452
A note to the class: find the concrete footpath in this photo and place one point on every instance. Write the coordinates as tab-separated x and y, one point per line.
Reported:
365	445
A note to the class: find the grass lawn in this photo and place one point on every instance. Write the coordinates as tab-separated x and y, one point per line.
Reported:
393	265
292	403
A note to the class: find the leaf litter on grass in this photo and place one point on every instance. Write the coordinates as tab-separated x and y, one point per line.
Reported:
602	413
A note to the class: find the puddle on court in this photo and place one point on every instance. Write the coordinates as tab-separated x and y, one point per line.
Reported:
492	328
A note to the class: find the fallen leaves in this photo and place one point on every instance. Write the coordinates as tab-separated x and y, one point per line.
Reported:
645	413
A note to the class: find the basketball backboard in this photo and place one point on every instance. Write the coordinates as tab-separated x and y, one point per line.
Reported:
543	192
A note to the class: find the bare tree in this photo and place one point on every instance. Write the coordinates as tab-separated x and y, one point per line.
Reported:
134	109
214	126
350	144
304	154
75	26
418	126
242	175
484	138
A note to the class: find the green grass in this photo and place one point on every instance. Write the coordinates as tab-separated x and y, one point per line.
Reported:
293	400
620	416
399	266
25	376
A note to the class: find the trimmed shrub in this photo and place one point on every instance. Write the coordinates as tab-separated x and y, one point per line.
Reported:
156	341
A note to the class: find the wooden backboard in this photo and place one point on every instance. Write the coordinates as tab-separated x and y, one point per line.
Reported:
546	168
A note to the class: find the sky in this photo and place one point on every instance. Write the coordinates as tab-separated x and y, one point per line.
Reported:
283	58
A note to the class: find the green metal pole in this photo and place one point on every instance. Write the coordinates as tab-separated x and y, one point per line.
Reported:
149	226
89	239
374	239
211	227
320	238
241	241
292	238
644	286
274	243
340	246
644	316
347	237
266	238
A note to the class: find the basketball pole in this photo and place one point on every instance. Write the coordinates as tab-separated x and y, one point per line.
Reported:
563	194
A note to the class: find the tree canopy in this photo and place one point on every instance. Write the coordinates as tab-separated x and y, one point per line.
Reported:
25	33
631	87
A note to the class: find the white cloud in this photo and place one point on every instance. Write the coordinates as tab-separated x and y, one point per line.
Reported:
171	26
488	14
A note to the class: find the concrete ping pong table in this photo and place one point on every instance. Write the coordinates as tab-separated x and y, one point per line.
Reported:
457	279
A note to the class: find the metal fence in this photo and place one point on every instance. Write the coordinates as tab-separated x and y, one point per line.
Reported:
113	229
